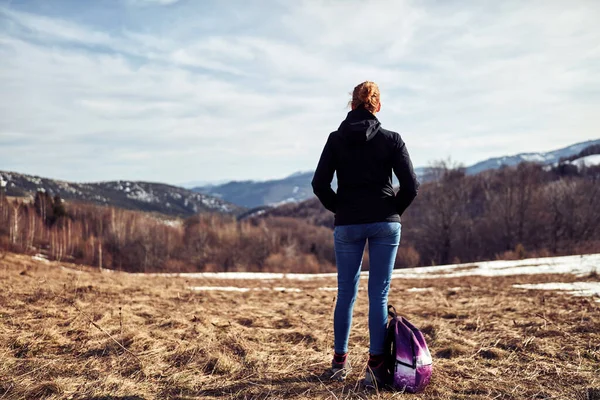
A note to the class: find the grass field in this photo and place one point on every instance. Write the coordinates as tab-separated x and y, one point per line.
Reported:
77	333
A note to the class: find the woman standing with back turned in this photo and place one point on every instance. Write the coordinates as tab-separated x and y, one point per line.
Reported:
363	155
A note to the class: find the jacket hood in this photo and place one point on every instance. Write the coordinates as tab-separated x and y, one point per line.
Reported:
360	126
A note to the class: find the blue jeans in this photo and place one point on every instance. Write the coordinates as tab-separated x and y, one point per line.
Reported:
350	240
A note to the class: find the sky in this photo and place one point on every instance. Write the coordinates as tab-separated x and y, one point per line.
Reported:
177	91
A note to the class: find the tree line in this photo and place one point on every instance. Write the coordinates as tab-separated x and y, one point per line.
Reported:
514	212
107	237
528	210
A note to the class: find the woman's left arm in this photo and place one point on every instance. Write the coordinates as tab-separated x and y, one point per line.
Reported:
321	182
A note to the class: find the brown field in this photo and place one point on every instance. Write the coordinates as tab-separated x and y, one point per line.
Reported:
75	333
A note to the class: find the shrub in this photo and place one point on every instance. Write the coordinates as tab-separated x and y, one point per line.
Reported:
408	257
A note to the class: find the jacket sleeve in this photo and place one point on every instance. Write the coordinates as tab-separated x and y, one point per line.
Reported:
321	182
403	168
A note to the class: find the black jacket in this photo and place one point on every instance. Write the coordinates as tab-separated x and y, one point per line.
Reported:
363	155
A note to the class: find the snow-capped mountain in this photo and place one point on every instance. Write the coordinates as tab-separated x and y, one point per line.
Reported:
296	187
144	196
233	196
551	157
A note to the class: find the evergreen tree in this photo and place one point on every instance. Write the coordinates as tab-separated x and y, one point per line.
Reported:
58	208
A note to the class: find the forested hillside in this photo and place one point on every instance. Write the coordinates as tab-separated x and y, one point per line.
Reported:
513	212
109	237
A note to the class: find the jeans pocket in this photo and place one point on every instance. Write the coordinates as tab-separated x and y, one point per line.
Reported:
340	233
336	233
388	229
348	233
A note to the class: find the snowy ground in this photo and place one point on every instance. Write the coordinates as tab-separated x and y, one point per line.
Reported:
574	288
577	265
582	265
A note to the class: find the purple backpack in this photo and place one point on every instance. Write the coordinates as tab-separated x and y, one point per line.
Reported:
409	363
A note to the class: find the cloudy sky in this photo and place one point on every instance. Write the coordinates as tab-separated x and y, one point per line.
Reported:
182	90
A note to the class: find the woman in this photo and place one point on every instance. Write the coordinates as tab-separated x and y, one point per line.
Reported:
363	155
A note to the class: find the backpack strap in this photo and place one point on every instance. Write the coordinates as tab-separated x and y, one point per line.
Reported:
392	311
390	349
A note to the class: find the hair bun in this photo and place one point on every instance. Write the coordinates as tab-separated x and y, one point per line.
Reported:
366	94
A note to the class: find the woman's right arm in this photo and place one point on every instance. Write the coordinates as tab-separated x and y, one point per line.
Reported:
403	168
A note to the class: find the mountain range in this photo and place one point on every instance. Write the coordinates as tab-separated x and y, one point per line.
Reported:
236	197
143	196
297	187
551	157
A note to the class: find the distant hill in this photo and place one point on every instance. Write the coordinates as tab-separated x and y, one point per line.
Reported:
550	157
296	187
234	197
143	196
311	211
588	157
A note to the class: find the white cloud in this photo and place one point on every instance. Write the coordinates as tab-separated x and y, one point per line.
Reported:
238	92
55	29
152	2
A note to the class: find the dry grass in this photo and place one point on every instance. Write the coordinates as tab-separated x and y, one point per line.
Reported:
83	334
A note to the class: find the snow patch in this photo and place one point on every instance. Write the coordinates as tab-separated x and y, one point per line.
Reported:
576	265
218	288
533	157
282	289
588	161
580	265
245	275
574	288
241	289
419	289
40	257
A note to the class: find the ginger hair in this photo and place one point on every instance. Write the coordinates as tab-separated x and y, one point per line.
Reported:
367	95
